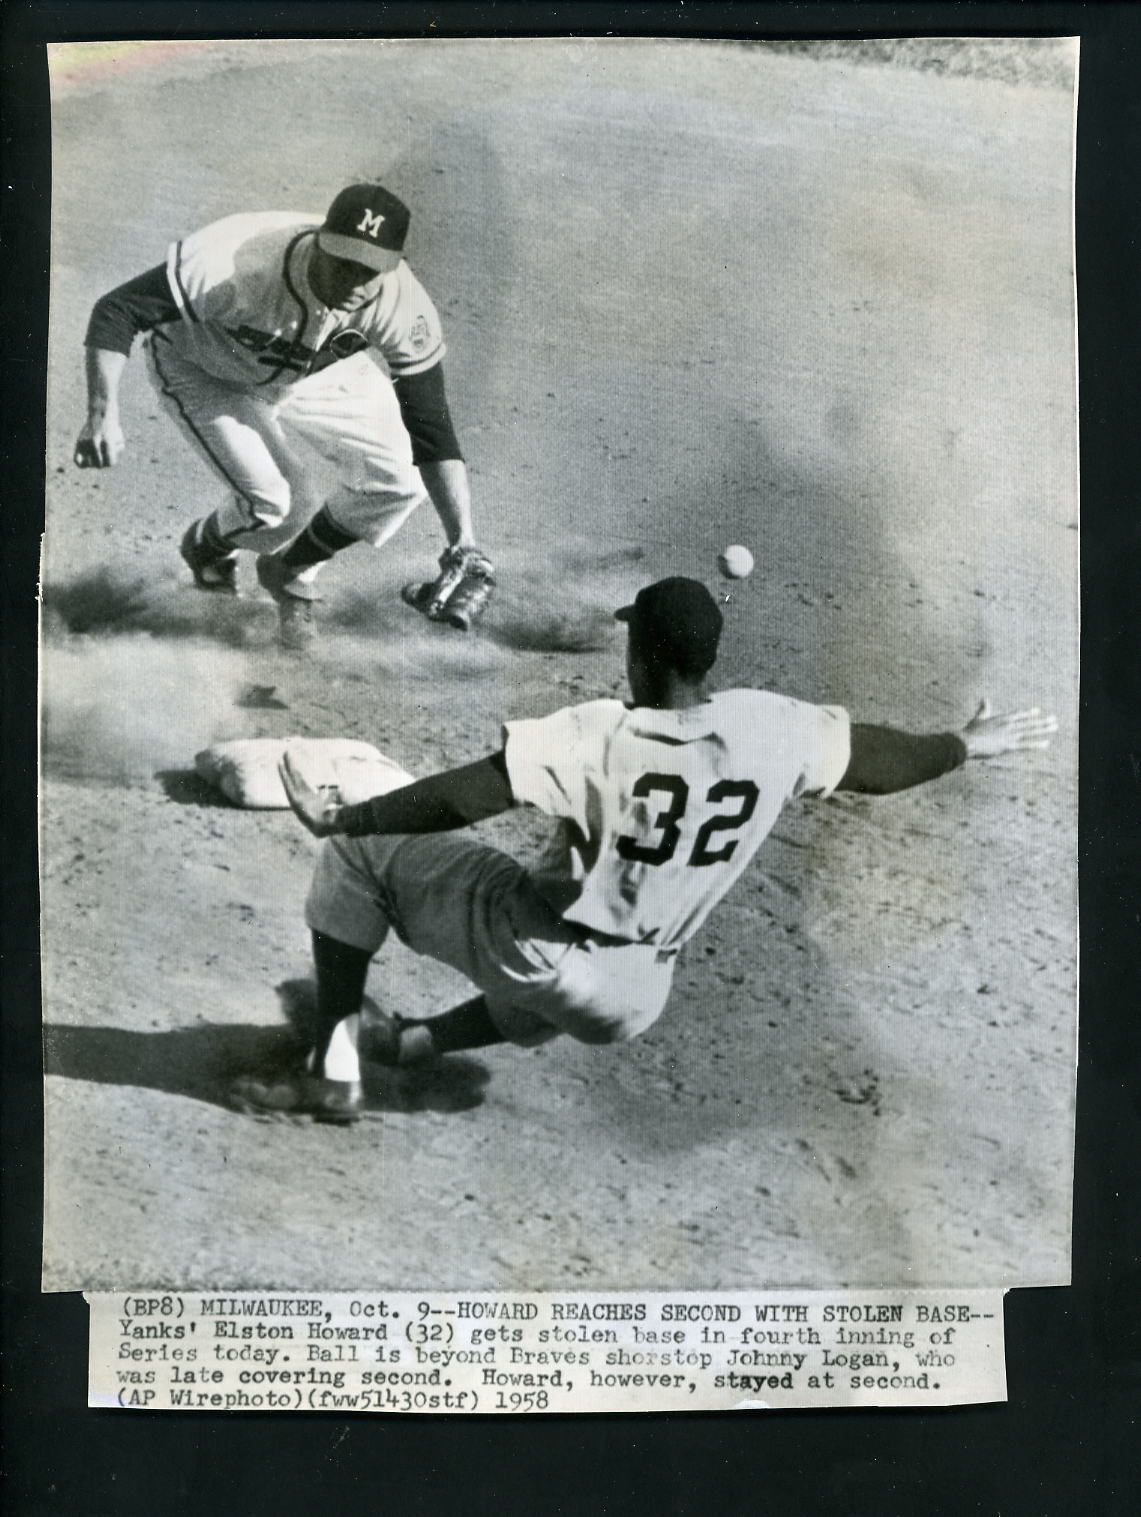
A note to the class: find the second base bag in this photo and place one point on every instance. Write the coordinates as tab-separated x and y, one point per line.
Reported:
245	769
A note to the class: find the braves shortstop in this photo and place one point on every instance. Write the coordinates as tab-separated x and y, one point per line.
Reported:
261	330
662	804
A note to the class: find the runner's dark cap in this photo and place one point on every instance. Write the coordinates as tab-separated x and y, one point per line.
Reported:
679	621
367	224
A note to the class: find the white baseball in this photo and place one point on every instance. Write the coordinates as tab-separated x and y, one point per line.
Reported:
735	562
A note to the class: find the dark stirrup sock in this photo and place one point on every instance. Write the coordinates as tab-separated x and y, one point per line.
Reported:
342	971
466	1026
319	541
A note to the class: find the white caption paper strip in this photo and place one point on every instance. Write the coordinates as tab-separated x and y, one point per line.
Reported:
621	1352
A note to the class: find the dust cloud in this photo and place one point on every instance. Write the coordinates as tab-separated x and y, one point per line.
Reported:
120	709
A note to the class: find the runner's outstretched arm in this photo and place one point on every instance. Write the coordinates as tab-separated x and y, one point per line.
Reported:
439	803
885	760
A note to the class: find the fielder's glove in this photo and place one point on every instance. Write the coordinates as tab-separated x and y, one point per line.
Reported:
459	592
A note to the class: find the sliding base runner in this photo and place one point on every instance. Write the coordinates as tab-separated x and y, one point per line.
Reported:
662	804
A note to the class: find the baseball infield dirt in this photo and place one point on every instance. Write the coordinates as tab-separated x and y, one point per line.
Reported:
694	294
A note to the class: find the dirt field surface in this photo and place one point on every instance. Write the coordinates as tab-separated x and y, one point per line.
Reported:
694	294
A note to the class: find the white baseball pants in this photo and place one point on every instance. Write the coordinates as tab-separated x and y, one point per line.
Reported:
347	413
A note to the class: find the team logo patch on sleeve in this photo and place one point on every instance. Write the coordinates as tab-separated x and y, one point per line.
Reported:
420	335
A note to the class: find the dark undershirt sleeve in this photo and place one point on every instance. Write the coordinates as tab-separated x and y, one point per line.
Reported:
424	805
362	820
424	407
137	306
884	760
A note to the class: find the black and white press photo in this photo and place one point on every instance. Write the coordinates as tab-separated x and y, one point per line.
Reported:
559	678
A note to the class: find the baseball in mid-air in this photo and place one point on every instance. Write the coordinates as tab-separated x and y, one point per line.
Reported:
735	562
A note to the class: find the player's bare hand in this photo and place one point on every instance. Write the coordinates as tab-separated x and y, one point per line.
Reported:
100	445
986	735
316	807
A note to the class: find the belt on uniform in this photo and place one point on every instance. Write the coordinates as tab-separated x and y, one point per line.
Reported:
608	940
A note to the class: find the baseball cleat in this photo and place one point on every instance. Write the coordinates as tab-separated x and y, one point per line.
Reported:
339	1102
294	599
295	630
380	1037
389	1041
217	573
282	582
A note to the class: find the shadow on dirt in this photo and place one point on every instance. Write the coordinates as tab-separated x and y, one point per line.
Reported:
186	788
197	1062
200	1062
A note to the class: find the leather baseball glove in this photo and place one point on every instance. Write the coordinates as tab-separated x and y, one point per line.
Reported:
459	593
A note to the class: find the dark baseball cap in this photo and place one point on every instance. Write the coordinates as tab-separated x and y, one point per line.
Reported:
679	620
367	224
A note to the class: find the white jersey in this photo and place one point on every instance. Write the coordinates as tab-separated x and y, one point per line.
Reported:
662	810
250	318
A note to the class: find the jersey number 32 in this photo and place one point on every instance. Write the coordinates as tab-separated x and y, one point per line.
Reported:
672	786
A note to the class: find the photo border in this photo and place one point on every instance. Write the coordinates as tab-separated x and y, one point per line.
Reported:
1071	1351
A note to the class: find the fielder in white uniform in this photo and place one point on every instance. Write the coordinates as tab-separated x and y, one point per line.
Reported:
662	804
260	329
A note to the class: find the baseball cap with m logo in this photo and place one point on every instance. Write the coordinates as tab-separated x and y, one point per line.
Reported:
367	224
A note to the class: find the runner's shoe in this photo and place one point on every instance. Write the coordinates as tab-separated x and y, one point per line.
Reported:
389	1040
339	1102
